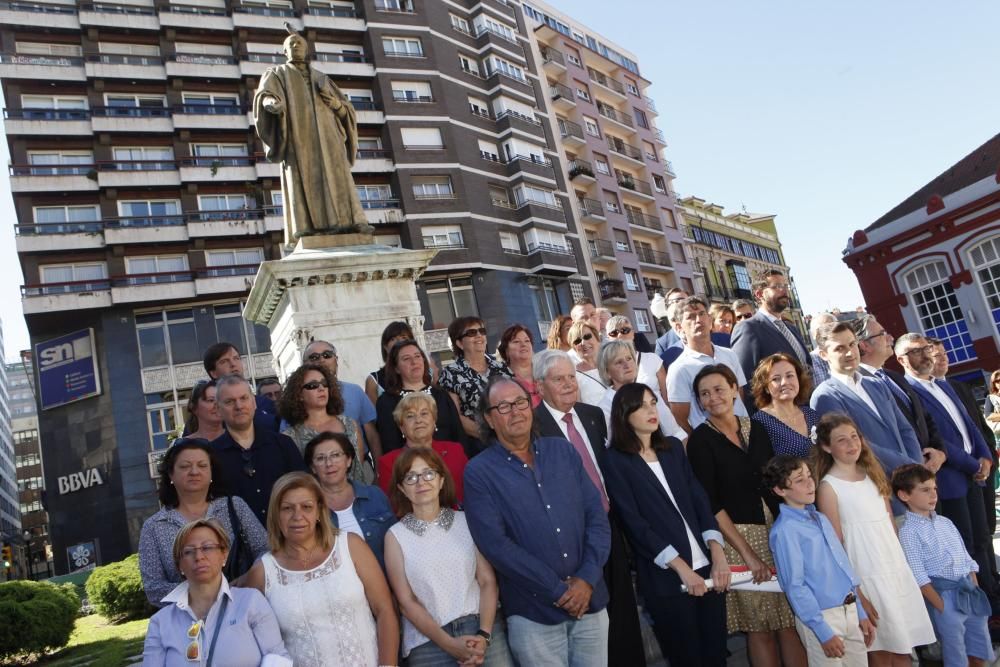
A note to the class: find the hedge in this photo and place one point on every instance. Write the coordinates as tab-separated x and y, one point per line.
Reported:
37	616
115	590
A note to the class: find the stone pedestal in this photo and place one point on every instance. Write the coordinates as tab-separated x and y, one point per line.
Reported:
345	294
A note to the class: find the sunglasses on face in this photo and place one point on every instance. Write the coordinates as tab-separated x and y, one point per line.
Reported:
316	356
624	331
585	336
744	316
315	384
481	331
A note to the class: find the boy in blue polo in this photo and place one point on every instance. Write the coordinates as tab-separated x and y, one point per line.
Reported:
814	571
945	572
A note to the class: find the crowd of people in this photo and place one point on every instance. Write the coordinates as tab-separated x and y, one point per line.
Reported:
493	511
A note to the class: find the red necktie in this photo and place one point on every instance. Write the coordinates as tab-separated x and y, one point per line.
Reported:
588	463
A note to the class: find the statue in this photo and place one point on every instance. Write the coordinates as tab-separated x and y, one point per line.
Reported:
309	125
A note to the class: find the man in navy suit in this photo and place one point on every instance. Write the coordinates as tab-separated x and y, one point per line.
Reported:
969	457
868	402
766	333
555	377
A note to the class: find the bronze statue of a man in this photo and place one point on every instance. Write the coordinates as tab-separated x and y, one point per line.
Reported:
309	125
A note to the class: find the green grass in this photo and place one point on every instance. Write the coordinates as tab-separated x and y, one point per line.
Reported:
107	644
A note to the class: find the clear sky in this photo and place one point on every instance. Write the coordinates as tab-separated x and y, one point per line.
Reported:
825	114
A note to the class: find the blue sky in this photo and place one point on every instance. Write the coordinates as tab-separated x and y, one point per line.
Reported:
825	114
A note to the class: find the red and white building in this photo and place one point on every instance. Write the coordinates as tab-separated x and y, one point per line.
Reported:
932	263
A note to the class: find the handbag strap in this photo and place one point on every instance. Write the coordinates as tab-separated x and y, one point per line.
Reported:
218	626
234	523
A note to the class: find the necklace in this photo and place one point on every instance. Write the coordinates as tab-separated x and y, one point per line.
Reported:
418	526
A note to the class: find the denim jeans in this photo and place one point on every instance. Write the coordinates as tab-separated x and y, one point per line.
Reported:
582	643
430	654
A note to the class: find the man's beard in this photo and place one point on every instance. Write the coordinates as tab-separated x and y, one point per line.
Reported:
776	305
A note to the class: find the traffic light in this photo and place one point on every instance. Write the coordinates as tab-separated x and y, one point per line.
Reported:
6	555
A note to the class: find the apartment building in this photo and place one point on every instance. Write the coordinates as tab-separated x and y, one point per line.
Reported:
10	513
729	249
144	205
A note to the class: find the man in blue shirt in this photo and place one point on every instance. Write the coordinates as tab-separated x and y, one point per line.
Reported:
537	517
814	571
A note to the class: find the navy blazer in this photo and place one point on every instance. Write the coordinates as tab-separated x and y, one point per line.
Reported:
953	477
652	523
592	418
913	409
757	338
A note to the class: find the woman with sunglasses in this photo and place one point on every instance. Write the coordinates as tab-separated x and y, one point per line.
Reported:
407	372
586	340
190	489
516	349
991	407
616	364
448	612
311	404
204	421
356	508
558	330
392	334
466	378
650	369
206	621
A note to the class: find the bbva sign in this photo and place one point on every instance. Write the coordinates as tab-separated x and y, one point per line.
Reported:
79	480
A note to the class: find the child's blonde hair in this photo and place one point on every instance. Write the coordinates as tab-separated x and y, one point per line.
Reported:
823	460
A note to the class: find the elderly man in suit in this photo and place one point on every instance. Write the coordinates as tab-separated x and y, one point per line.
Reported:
561	415
865	399
766	333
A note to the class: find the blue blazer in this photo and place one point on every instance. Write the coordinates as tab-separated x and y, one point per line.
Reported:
887	431
953	477
757	338
651	522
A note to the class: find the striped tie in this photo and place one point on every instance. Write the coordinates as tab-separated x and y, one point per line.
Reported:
792	340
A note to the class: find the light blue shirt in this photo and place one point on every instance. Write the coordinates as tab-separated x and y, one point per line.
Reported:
357	405
813	568
934	548
249	632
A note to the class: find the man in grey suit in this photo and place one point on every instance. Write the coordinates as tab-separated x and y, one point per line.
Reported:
766	333
561	415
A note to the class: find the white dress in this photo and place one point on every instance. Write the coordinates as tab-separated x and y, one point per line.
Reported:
878	560
323	613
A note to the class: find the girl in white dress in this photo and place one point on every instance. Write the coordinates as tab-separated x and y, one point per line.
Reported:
854	494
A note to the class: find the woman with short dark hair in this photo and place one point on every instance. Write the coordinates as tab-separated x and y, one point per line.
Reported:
516	348
190	488
392	334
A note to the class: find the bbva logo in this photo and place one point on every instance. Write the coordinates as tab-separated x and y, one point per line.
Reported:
79	480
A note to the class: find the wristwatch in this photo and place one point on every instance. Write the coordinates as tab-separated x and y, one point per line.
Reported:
485	635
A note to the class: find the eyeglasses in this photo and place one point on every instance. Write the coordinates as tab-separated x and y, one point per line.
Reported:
332	457
193	652
505	407
926	349
315	384
428	475
624	331
248	468
586	336
880	333
204	550
481	331
781	287
744	316
316	356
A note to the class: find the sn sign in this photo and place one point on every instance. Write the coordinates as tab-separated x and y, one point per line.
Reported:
79	480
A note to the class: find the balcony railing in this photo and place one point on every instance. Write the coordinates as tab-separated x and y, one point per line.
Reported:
591	207
580	167
45	61
658	133
611	289
219	215
650	104
652	289
93	227
372	153
550	55
266	58
37	7
131	222
50	169
491	72
338	12
636	185
519	116
131	112
558	91
397	53
411	97
628	150
116	9
364	105
210	109
124	59
568	128
650	256
398	7
263	11
158	278
534	247
643	219
377	204
66	287
600	248
199	59
216	161
483	29
137	165
617	116
227	271
605	81
476	110
190	9
335	57
47	114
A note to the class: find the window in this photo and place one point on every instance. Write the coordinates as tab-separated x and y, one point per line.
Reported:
510	242
442	236
582	91
739	276
495	65
422	138
31	459
374	193
621	241
145	269
611	201
499	196
448	299
468	65
369	143
231	326
573	56
677	251
631	280
488	151
215	155
85	277
129	49
150	212
985	259
632	88
642	320
938	309
238	262
402	47
592	127
650	151
211	99
394	5
668	217
527	194
234	202
659	184
65	218
640	118
433	187
60	163
412	91
479	107
44	49
459	23
601	164
161	420
143	158
544	239
61	102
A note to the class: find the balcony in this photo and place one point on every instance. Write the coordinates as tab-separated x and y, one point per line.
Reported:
591	208
571	132
658	135
619	147
217	169
611	289
620	119
551	259
653	257
345	19
274	218
368	112
267	18
206	18
115	66
41	68
59	297
255	64
137	173
372	160
561	95
121	17
601	250
641	219
33	14
607	83
668	167
132	119
47	122
224	279
531	164
343	64
52	178
582	170
553	61
397	7
146	229
210	116
164	285
203	67
227	223
522	86
514	120
652	289
59	236
487	36
636	187
383	211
